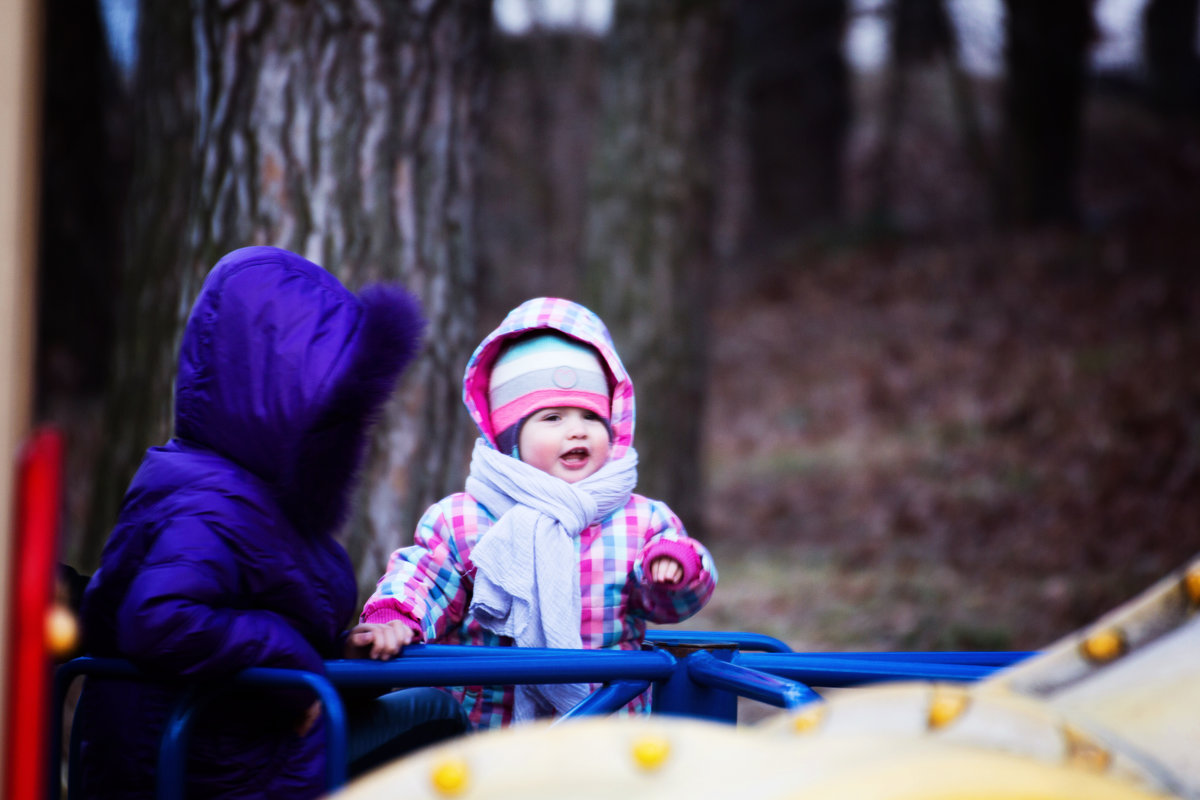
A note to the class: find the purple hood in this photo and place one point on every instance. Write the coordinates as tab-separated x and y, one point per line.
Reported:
281	370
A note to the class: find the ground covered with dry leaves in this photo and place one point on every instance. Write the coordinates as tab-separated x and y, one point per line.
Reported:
967	440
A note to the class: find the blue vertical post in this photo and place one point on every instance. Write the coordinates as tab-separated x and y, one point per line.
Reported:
172	748
679	695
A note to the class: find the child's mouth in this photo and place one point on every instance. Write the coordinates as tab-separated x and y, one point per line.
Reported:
575	455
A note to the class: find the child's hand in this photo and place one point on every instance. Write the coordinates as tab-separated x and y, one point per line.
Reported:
380	641
665	569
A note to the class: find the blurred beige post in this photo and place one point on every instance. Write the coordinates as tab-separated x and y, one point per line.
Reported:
20	81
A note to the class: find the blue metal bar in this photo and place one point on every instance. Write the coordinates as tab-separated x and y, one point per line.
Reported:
72	763
172	748
706	670
170	777
103	667
740	639
62	683
63	676
172	759
605	700
820	670
426	665
716	672
446	650
993	658
680	695
335	712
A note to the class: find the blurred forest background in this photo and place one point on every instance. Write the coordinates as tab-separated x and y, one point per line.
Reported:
907	287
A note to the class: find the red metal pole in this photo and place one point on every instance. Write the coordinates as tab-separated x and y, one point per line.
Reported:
35	548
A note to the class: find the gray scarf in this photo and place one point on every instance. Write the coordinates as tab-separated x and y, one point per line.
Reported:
527	573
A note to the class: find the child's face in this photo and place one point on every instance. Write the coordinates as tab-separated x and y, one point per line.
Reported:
568	443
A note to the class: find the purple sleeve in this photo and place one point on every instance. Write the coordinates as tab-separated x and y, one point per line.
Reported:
178	615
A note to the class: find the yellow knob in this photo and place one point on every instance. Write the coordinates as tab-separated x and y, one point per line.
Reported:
1104	646
946	706
1191	584
808	719
651	752
451	776
62	631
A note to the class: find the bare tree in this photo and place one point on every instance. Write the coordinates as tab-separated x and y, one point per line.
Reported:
147	290
1045	58
794	86
344	132
921	33
1169	49
537	139
649	261
83	168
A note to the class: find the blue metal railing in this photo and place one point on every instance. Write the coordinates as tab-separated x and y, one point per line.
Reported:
737	677
171	760
468	665
741	639
1002	658
692	673
835	671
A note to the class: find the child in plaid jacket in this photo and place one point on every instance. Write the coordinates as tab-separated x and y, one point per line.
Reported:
548	546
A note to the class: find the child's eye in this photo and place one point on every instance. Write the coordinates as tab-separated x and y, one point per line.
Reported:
591	416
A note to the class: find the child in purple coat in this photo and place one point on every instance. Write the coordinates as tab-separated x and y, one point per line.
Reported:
223	556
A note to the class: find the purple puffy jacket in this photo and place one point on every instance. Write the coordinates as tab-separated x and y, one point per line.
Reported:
223	556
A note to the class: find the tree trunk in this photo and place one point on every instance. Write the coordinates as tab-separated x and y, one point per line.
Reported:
533	176
1169	49
649	259
1045	57
346	133
795	89
138	396
921	33
83	167
84	177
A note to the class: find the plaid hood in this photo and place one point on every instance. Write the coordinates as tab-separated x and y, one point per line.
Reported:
568	318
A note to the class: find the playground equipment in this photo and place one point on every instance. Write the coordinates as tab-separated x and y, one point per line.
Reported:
1112	711
1109	713
697	675
20	44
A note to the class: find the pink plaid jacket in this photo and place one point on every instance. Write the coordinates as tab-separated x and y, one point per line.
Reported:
428	585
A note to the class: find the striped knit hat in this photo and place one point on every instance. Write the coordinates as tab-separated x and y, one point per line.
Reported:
544	370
